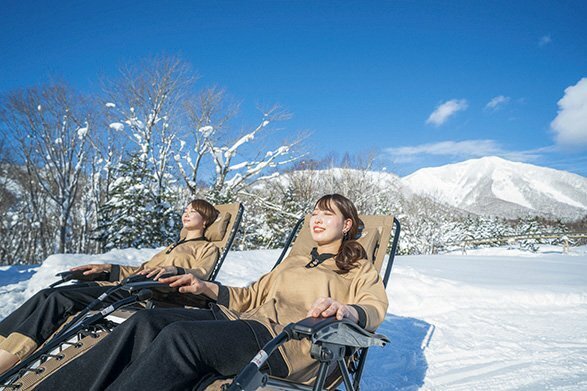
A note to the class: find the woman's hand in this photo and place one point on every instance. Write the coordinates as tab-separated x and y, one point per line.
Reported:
156	272
326	307
187	283
93	268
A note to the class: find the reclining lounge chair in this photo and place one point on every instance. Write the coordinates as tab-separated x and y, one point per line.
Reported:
76	338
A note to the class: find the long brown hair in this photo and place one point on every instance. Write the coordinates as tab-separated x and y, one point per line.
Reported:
350	251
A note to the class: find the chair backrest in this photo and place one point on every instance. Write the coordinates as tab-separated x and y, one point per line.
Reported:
223	231
375	239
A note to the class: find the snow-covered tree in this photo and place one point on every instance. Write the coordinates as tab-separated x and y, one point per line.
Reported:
145	107
233	174
52	126
136	215
208	113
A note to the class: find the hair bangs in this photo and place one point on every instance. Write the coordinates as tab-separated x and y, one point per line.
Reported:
325	203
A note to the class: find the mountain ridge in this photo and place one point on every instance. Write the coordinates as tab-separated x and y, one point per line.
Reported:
495	186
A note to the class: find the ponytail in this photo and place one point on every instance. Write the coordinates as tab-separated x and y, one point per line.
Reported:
348	256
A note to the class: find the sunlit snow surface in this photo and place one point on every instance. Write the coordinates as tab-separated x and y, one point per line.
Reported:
493	319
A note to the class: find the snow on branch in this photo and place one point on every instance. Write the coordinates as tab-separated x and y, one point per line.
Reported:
233	177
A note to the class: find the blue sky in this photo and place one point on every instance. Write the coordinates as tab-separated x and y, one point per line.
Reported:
409	81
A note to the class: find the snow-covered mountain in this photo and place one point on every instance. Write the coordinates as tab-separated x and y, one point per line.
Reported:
495	186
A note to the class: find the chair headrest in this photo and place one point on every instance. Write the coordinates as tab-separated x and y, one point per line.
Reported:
369	239
217	230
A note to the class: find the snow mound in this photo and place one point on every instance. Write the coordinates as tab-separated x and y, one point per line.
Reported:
62	262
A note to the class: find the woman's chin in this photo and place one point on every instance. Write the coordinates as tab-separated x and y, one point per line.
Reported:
321	240
189	227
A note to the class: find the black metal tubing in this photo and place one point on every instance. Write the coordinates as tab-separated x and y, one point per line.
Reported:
321	378
345	376
72	331
88	308
360	366
293	234
233	233
393	250
250	377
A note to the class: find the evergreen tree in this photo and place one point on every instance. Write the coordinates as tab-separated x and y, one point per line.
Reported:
139	213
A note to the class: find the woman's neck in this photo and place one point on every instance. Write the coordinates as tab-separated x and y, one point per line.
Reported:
194	234
331	248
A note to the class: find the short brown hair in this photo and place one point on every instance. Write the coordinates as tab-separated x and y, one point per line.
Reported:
206	210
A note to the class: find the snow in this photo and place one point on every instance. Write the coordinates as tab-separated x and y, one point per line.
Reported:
117	126
206	131
81	132
495	318
555	193
134	122
504	187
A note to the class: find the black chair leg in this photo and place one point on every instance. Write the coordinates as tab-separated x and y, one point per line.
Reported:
348	385
321	379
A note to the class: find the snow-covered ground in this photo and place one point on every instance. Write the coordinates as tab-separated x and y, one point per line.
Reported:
494	319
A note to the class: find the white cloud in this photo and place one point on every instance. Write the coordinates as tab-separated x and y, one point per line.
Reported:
462	149
467	148
570	124
445	110
496	102
544	40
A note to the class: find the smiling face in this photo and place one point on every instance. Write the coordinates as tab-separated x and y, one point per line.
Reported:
328	225
192	220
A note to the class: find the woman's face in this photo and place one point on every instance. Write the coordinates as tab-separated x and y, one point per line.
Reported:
328	226
192	219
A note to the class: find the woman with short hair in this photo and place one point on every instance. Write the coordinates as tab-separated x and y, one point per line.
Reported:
39	317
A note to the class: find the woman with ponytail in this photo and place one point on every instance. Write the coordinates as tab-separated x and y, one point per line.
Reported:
173	349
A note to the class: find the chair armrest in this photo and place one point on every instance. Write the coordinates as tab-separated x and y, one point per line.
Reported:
135	278
141	277
155	286
79	275
166	294
340	332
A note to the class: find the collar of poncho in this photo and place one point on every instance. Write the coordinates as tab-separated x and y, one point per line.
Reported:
317	259
182	241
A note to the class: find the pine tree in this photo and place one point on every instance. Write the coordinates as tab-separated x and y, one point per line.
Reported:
137	214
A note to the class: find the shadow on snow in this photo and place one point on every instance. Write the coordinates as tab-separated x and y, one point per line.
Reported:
401	365
16	273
